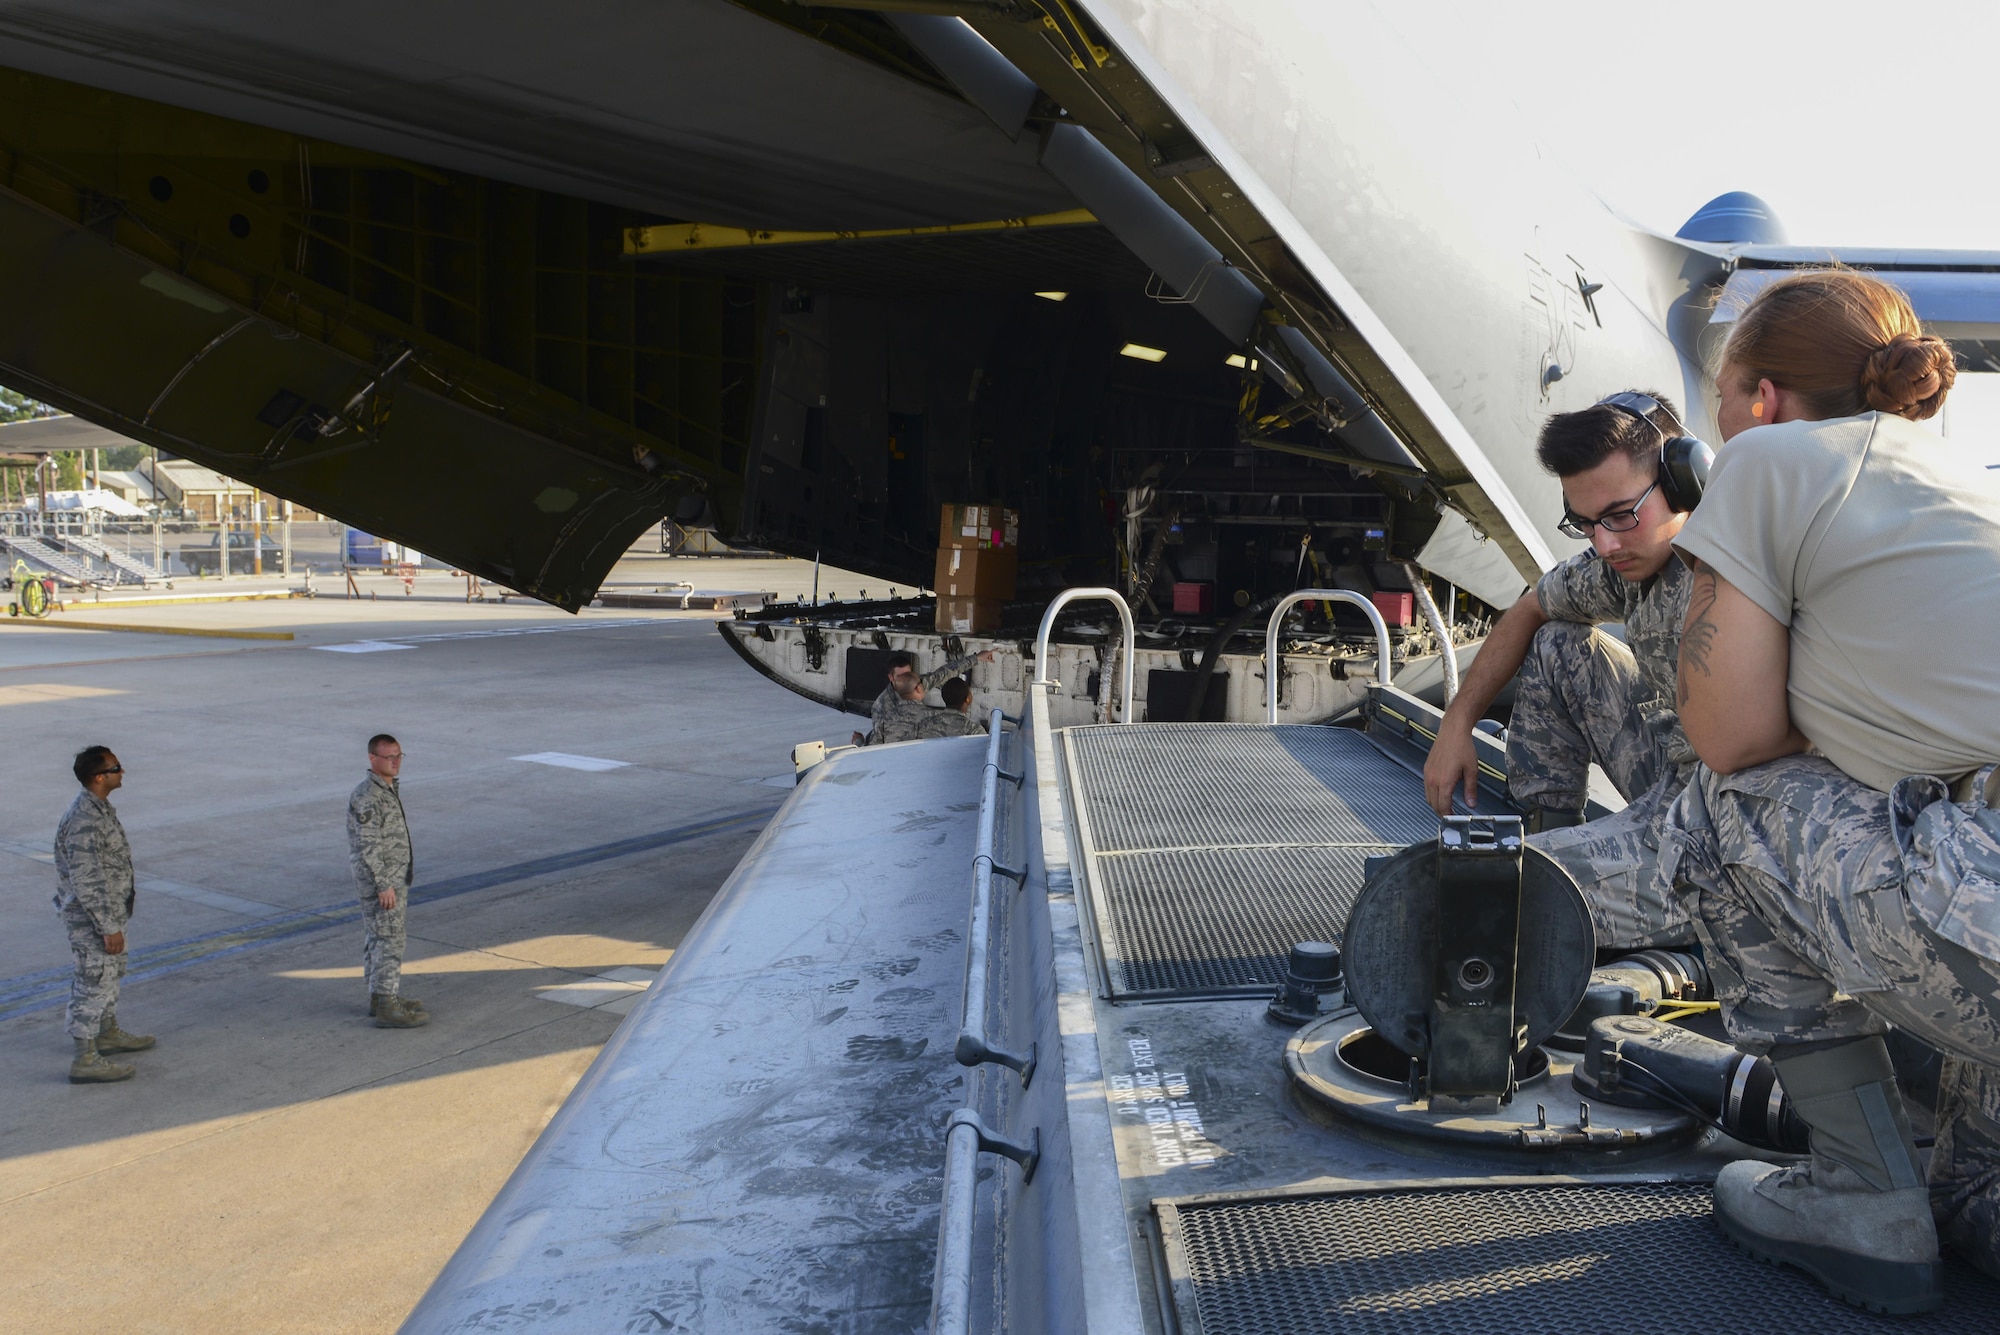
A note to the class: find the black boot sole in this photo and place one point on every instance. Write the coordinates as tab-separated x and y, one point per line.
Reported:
1893	1288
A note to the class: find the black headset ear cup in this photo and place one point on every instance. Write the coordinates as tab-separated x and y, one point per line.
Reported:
1684	465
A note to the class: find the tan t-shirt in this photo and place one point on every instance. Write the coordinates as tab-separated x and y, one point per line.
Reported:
1879	545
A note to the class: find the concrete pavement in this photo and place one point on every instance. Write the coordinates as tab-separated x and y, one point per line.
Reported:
279	1163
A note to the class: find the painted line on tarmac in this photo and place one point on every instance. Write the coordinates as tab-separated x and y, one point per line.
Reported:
411	641
136	629
47	989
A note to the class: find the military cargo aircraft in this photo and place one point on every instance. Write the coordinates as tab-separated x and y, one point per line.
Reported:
1041	1031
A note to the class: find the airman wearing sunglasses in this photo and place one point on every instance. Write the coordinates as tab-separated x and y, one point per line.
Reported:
1583	695
95	892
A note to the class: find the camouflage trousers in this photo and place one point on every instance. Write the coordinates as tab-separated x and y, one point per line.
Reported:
1965	1165
93	988
382	939
1796	880
1580	698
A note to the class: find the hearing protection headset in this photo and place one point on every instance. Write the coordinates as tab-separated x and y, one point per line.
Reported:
1684	459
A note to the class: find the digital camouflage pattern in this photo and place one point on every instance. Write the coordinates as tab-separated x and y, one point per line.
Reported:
383	936
1797	879
1952	853
949	722
378	838
378	851
1588	592
1581	697
94	864
95	894
1804	885
1965	1164
93	988
899	720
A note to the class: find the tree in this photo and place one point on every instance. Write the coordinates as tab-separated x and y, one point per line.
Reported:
18	407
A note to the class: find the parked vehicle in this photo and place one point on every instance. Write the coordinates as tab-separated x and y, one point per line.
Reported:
200	558
365	549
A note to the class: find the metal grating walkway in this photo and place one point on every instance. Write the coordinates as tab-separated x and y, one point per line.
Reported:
40	554
124	568
1505	1260
1211	847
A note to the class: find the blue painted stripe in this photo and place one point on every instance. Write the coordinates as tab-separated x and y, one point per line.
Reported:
48	988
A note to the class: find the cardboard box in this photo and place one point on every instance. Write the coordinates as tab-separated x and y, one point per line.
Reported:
966	616
1194	597
979	526
985	573
1397	608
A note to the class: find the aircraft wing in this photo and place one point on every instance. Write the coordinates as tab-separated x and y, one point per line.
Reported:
1956	293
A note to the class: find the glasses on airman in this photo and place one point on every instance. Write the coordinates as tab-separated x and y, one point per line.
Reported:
1617	521
115	769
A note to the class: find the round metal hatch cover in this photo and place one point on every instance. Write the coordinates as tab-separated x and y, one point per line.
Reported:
1390	948
1339	1068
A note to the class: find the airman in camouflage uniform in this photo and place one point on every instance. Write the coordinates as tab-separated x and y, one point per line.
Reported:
899	713
95	894
378	849
1842	879
955	719
1582	696
1829	911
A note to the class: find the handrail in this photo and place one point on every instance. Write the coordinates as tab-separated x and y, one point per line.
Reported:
1068	596
966	1137
951	1286
973	1047
1273	660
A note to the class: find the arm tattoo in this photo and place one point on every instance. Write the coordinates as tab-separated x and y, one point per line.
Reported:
1698	635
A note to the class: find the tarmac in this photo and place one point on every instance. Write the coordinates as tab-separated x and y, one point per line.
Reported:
577	786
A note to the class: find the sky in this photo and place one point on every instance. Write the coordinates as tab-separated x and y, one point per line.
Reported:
1870	125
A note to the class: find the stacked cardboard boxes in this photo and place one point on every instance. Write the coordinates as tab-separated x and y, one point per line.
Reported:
976	565
979	526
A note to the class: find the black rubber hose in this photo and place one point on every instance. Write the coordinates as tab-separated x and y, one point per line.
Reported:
1198	701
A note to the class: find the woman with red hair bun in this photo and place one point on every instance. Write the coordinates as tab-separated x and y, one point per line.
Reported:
1838	847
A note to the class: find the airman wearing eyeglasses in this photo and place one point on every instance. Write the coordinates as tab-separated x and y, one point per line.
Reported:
1582	694
378	850
95	893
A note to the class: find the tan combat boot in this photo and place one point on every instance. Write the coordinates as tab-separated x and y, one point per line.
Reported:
110	1038
1857	1217
394	1013
90	1069
375	999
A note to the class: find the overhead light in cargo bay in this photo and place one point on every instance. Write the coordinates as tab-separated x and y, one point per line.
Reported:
1237	360
1053	296
1143	353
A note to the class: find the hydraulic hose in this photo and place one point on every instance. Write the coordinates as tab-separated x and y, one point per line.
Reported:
1210	655
1447	656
